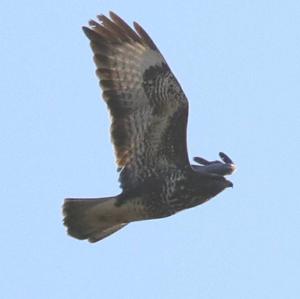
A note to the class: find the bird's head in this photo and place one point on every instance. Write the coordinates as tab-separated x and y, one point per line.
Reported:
208	185
215	183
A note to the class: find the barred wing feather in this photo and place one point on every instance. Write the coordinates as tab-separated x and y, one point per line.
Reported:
147	105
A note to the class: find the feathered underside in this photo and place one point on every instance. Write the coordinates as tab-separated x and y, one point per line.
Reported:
147	105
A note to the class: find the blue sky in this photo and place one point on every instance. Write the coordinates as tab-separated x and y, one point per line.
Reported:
239	64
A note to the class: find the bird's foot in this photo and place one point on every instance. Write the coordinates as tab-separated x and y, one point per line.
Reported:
224	167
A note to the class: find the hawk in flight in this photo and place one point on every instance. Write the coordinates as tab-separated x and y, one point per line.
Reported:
149	113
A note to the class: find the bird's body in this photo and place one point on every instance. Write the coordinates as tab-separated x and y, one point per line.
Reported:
165	194
149	114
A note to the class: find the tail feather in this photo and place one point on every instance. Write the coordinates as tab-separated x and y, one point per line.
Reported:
92	219
97	236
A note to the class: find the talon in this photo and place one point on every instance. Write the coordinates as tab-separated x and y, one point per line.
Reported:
223	167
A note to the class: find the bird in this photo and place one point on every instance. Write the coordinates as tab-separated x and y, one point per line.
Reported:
149	114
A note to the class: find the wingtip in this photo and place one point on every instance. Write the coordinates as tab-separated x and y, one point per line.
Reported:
85	29
136	26
101	18
113	14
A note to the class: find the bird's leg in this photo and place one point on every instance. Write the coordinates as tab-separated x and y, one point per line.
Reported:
224	167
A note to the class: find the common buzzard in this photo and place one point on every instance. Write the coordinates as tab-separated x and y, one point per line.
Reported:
149	113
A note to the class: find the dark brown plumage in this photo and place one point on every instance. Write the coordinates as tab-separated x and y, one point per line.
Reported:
149	113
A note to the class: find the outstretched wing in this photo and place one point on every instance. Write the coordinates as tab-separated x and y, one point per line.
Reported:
148	107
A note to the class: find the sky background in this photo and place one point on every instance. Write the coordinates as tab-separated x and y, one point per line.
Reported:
239	64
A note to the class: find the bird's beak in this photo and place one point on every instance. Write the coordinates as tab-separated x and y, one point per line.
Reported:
229	184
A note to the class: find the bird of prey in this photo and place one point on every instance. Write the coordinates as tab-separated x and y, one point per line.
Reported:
149	113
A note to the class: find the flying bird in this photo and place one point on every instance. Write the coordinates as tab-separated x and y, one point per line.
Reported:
149	113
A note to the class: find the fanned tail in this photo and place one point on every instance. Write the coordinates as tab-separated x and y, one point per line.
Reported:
92	219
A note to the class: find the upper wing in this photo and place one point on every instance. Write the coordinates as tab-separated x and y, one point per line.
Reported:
148	107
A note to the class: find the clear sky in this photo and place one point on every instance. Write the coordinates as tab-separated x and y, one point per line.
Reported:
239	64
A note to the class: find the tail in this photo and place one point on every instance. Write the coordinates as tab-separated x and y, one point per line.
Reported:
92	219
